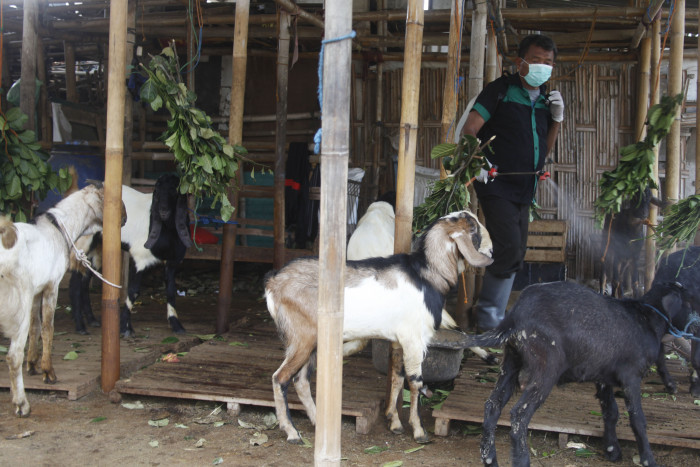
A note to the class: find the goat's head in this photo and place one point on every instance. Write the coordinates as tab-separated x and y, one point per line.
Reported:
464	234
169	206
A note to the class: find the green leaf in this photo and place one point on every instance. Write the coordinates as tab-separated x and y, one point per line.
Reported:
13	114
584	453
72	355
238	344
417	448
205	162
159	423
98	419
376	449
393	464
443	150
148	91
170	340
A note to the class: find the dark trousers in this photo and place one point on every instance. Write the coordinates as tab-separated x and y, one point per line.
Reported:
507	224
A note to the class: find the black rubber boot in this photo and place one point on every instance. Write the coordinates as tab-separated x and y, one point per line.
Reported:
492	302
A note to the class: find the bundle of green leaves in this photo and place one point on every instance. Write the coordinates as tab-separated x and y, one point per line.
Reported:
206	163
462	162
679	225
26	173
634	170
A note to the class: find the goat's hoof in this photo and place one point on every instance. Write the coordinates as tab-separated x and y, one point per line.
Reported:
95	324
297	441
50	377
31	369
491	359
82	332
397	430
22	411
613	453
128	334
695	389
671	388
425	439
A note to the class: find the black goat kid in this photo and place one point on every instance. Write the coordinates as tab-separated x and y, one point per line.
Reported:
562	332
157	231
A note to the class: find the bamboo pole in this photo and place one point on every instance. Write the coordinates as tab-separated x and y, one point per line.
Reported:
190	45
44	108
235	136
408	134
111	224
333	224
649	243
478	42
281	137
675	86
449	100
644	22
643	87
28	74
379	113
71	90
293	8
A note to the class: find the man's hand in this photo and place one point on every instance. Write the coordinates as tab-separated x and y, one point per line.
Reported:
556	106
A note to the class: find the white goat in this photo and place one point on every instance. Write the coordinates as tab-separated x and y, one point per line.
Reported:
399	298
374	237
33	259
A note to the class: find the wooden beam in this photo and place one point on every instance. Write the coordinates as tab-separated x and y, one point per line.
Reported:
294	9
281	136
235	129
111	231
335	152
672	180
28	76
644	22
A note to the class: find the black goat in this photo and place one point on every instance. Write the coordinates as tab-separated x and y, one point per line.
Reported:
157	231
622	244
683	266
562	332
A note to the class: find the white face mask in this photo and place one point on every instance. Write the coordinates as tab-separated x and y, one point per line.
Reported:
538	74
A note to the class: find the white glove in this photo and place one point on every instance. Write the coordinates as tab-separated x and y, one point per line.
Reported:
556	106
483	176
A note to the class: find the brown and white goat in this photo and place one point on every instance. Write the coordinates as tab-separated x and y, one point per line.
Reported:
398	298
33	260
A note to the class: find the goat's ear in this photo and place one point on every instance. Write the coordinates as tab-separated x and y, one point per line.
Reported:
156	225
672	303
463	234
182	221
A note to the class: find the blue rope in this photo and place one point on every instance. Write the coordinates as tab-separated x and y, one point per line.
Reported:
674	331
317	136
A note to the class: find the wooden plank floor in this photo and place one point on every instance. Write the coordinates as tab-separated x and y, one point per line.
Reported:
239	371
573	408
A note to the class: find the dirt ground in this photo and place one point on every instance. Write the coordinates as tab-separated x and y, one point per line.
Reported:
95	431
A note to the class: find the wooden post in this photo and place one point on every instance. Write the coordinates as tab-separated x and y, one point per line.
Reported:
697	132
449	108
71	89
649	244
408	135
44	108
190	38
281	137
235	136
379	114
647	17
449	99
111	231
675	86
27	91
333	225
643	88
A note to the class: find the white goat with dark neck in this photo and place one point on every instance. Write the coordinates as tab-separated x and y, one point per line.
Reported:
399	298
33	259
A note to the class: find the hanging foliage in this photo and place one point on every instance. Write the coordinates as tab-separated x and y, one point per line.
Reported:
634	171
26	173
205	161
462	162
679	225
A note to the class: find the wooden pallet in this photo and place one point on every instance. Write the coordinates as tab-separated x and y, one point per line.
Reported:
241	375
573	408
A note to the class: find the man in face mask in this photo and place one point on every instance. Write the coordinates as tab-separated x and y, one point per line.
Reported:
525	119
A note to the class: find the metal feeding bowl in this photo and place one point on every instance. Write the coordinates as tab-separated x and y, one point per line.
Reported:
442	361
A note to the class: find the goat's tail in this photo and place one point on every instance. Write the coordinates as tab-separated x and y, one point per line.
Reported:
8	232
494	338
